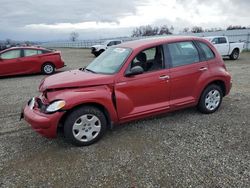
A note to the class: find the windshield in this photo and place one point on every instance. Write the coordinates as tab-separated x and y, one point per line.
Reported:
110	61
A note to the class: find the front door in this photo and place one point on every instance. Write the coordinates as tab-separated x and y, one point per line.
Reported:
10	62
144	93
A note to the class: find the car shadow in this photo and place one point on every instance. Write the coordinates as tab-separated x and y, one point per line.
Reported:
138	124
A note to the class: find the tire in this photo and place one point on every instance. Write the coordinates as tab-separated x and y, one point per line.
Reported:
235	54
85	126
48	68
96	54
210	99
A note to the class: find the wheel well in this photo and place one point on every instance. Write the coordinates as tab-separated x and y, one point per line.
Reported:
219	83
99	106
236	49
48	62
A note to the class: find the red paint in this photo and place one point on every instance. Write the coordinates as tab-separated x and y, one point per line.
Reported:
129	98
30	64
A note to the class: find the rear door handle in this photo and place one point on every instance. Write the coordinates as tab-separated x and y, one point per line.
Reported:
203	69
164	77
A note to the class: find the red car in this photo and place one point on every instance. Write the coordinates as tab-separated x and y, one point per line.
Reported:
130	81
28	60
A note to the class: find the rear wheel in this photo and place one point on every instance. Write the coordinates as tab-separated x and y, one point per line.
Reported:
235	54
210	99
48	68
85	125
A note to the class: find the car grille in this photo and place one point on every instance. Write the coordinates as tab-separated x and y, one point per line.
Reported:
41	105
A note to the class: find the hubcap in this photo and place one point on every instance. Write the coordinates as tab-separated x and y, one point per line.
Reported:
86	128
48	69
235	55
212	100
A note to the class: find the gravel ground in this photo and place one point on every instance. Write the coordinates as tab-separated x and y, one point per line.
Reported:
179	149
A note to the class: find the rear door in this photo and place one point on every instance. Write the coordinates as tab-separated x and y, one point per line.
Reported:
10	62
145	93
187	69
31	60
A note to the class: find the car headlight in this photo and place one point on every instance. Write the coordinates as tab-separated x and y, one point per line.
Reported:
55	106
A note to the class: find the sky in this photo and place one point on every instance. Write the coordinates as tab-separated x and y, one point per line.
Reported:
52	20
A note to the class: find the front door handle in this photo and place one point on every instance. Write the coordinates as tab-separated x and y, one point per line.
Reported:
164	77
203	69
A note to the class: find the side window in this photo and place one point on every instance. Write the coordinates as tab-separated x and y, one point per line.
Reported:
118	42
111	43
183	53
12	54
45	51
207	51
30	52
215	41
150	59
222	40
39	51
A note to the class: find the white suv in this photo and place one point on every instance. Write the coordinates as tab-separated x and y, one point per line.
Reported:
98	49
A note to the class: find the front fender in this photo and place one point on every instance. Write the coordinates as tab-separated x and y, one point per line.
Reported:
101	95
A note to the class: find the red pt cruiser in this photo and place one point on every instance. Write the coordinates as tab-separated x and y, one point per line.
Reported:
130	81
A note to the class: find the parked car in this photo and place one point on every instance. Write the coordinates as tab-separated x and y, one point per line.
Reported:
28	60
131	81
226	48
100	48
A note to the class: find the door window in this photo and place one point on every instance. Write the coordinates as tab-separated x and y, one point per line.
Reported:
183	53
150	59
12	54
117	42
215	41
222	40
30	52
207	51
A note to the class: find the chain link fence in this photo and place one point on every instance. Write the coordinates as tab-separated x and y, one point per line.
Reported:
233	36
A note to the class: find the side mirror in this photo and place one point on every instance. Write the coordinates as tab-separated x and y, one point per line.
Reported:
1	58
135	70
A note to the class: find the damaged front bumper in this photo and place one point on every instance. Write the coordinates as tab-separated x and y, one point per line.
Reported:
44	124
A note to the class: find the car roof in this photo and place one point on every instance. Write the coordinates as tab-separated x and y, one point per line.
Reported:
157	41
24	47
210	37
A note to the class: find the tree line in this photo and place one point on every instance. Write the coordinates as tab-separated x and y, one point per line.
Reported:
149	30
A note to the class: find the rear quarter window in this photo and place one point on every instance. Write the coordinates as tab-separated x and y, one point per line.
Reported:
46	51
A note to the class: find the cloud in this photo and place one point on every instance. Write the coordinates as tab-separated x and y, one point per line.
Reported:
53	20
24	12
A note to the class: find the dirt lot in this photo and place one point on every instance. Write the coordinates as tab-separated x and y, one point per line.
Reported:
180	149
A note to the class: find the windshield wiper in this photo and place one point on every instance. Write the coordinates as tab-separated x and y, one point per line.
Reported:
89	70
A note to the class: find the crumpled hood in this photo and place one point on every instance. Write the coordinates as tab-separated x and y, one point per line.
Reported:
74	78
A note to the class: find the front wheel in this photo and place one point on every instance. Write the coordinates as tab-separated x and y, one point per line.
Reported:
210	99
85	125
